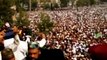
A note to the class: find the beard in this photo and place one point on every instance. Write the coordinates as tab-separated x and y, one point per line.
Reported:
1	47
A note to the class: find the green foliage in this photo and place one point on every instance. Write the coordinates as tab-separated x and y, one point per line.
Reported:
45	25
24	4
21	5
44	1
22	20
85	2
50	6
5	11
54	5
92	2
1	23
64	3
46	6
82	2
34	4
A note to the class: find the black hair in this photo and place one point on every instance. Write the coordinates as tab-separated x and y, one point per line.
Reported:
7	54
2	28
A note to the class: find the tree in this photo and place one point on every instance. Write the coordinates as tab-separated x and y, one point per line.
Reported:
64	3
92	2
50	6
46	6
5	10
9	9
25	4
54	5
82	2
85	2
34	4
22	19
45	25
44	1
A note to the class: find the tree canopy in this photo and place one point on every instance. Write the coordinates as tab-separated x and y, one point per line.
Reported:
5	9
9	10
85	2
64	3
45	25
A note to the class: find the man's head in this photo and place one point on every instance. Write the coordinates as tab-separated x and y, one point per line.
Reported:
15	29
7	54
33	51
2	34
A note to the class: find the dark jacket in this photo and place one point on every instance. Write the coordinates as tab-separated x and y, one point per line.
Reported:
9	34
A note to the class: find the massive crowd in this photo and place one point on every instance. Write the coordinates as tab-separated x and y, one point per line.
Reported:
75	29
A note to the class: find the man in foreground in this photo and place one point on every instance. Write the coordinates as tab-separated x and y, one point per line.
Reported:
35	53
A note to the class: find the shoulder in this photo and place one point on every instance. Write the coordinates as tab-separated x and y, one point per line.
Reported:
23	45
7	42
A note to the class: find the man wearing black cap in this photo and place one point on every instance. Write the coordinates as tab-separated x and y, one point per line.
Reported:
35	53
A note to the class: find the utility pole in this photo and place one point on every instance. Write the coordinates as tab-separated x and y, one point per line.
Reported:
30	5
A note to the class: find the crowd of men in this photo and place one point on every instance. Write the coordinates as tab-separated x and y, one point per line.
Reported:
75	29
14	47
